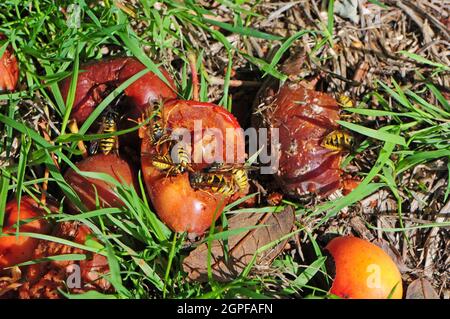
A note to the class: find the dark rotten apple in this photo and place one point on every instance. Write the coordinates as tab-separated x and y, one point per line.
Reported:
44	279
303	117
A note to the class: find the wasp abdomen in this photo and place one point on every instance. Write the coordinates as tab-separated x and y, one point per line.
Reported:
338	141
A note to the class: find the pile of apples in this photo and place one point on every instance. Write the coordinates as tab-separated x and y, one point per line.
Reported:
362	270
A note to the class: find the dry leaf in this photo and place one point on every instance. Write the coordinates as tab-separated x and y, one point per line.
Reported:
421	289
242	246
347	9
359	226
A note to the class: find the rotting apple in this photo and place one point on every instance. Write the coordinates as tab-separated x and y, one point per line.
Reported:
99	78
178	205
18	249
363	270
303	117
88	188
44	279
9	69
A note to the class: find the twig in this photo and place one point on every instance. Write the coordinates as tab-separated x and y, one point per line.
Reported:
193	66
44	127
431	245
215	47
438	24
421	18
361	73
125	9
233	83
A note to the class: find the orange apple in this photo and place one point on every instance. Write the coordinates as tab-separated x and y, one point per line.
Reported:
18	249
363	270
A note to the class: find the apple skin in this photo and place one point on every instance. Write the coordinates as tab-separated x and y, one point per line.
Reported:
9	69
100	77
15	250
110	164
363	270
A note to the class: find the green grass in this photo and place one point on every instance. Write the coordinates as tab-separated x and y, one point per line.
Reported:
145	256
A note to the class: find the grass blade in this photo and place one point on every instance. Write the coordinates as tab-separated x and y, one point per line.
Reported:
376	134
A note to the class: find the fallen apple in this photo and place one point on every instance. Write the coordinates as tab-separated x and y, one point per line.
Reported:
88	188
363	270
18	249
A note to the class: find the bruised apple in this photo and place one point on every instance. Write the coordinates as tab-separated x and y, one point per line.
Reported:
363	270
88	188
9	69
18	249
180	206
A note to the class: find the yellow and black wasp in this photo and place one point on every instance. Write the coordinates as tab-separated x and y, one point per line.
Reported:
344	101
181	157
240	177
165	163
338	140
159	135
217	183
107	144
177	164
238	173
157	130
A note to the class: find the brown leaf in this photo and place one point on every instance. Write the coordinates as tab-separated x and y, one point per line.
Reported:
421	289
241	247
359	226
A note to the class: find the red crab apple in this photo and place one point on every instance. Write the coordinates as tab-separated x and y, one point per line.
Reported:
99	78
9	69
18	249
87	187
178	205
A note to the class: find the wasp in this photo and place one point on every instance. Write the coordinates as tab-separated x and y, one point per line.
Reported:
157	130
338	140
344	101
218	183
240	177
106	144
237	172
179	165
165	163
182	157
